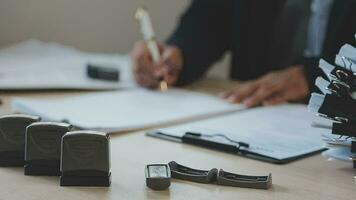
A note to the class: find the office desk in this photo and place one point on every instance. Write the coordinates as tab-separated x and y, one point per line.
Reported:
311	178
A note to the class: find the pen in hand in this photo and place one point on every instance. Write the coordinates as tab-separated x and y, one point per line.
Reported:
149	36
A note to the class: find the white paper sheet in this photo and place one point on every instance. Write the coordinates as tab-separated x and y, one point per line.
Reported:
333	140
280	132
43	65
348	51
126	110
345	63
322	84
339	153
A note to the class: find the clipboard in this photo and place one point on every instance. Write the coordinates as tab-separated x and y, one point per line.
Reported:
252	147
228	148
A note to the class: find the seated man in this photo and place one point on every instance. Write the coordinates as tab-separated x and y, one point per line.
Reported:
275	46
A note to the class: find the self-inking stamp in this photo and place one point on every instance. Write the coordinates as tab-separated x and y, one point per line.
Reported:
158	176
85	159
43	148
12	138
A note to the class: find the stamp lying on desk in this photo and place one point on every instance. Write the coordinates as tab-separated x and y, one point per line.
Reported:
195	175
158	176
238	180
219	177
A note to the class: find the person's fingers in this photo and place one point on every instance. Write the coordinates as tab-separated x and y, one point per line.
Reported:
171	64
238	91
146	65
146	81
294	91
258	97
226	94
138	71
158	70
142	66
148	73
139	50
144	73
274	101
170	73
162	48
294	95
140	58
167	54
243	92
273	88
294	82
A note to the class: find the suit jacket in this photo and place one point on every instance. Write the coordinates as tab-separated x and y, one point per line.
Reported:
247	28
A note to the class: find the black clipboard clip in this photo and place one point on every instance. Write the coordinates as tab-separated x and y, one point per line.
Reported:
345	129
339	109
346	74
335	87
342	90
343	74
205	140
333	107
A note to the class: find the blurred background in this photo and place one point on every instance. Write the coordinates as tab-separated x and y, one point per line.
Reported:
89	25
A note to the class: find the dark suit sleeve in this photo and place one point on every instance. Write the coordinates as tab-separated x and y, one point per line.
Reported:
203	35
340	31
312	71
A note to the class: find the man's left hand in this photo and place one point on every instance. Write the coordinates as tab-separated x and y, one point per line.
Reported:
273	88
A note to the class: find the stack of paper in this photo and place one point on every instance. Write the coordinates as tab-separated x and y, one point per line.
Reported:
337	103
40	65
339	146
126	110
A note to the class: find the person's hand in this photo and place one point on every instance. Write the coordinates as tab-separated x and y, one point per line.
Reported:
147	73
273	88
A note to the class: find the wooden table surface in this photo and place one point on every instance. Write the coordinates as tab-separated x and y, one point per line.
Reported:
310	178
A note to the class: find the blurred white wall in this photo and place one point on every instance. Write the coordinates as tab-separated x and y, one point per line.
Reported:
91	25
95	25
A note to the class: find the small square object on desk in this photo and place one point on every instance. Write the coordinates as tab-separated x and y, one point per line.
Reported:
43	148
12	138
85	159
158	176
101	72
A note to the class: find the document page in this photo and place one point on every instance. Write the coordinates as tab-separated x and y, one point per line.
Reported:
34	64
126	110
